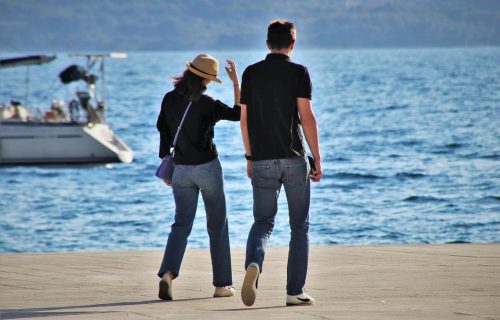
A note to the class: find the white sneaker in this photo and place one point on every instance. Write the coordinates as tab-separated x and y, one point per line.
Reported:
300	299
221	292
249	288
165	287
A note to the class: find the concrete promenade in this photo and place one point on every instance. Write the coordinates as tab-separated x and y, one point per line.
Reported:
458	281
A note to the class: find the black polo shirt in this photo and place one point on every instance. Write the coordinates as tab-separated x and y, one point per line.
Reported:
270	89
195	144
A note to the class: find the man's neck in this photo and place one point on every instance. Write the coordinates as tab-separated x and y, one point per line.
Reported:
287	51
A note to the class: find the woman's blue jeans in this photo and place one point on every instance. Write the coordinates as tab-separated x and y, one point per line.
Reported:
267	178
187	182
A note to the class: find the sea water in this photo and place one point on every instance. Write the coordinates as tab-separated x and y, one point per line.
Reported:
410	142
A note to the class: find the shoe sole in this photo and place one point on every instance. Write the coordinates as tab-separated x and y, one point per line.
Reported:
165	290
249	289
226	295
299	304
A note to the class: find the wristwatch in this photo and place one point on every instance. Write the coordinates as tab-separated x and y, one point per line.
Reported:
248	157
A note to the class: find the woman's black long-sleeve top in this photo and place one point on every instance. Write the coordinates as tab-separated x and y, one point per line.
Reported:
195	142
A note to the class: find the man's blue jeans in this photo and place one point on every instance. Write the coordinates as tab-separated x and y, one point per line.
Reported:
267	178
187	182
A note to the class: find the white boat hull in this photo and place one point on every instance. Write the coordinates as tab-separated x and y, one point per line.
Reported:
60	143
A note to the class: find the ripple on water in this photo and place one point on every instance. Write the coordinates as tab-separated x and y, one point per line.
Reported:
354	176
423	199
410	175
495	156
491	198
454	145
397	106
470	225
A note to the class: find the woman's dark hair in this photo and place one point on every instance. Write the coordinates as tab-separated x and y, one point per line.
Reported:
190	86
280	34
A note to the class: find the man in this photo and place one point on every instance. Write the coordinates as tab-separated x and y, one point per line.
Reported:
275	102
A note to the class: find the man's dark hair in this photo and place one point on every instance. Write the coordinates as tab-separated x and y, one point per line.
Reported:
280	34
190	86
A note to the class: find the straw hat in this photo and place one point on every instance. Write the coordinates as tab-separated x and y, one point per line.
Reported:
205	66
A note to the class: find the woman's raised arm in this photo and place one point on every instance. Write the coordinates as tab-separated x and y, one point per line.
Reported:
233	75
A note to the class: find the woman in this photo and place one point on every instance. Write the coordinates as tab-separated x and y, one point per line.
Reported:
197	168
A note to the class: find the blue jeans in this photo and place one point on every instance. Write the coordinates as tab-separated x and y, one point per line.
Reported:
267	178
187	182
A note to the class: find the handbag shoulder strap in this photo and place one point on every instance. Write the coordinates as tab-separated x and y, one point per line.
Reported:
180	126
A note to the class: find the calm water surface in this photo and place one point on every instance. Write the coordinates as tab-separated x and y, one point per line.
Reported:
410	142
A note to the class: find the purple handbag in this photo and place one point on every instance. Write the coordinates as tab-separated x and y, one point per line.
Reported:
167	166
166	169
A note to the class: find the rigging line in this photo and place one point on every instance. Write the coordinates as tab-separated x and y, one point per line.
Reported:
55	88
52	91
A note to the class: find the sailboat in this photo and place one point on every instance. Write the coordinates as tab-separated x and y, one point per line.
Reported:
72	132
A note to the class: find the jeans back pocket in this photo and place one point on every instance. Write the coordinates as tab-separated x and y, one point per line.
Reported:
261	175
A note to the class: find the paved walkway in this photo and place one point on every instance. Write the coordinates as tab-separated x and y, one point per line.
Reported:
363	282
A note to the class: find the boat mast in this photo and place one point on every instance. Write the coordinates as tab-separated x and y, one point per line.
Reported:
27	93
103	83
91	60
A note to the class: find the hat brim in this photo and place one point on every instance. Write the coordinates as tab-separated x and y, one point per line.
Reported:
201	74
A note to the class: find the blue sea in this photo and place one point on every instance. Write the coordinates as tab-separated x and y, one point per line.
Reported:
410	140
